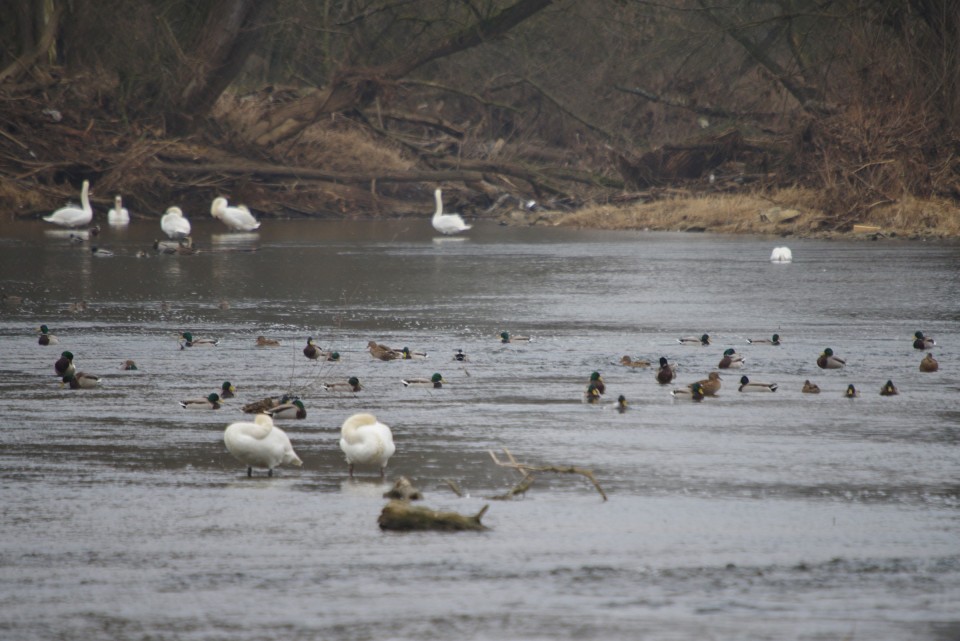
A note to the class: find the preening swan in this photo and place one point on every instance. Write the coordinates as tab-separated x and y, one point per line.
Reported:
366	441
119	214
71	215
237	218
260	444
174	224
447	223
781	255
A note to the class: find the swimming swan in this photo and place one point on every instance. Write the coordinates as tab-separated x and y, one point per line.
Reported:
71	215
174	225
236	218
447	223
781	255
260	444
366	441
119	214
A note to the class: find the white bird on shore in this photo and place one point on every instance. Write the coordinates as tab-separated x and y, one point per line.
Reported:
236	218
447	223
118	215
781	255
366	441
71	215
260	444
174	224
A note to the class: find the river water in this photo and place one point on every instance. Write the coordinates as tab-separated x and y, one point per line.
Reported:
763	516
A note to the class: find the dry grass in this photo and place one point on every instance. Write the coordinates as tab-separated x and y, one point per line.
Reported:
790	211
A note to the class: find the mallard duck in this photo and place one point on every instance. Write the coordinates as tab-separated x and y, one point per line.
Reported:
621	404
352	384
505	337
263	341
597	381
828	361
851	391
118	215
71	215
774	340
100	252
923	342
260	444
666	373
80	236
626	361
710	385
929	364
211	402
731	360
446	223
46	338
694	341
459	356
174	224
128	365
383	352
81	380
77	307
293	409
190	341
366	441
183	246
64	365
593	393
436	381
311	351
227	390
410	355
747	386
692	392
265	404
236	218
888	389
810	388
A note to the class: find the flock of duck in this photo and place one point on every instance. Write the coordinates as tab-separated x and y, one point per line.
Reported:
697	391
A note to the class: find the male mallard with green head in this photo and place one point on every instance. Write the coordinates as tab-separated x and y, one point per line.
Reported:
923	342
828	361
46	338
505	337
64	365
747	386
294	409
774	340
929	364
352	384
593	393
436	381
666	373
190	341
851	391
227	390
597	381
710	385
211	402
694	341
411	355
731	360
621	404
693	392
888	389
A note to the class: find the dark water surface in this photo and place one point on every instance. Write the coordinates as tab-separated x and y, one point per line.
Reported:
766	516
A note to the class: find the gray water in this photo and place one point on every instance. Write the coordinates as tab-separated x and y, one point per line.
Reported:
767	516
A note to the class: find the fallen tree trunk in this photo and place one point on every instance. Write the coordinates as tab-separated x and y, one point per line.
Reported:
400	516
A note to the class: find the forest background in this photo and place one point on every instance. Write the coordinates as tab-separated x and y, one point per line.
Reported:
777	116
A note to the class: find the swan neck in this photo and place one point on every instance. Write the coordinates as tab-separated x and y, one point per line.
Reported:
85	195
439	199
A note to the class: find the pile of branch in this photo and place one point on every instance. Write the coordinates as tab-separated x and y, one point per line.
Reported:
527	470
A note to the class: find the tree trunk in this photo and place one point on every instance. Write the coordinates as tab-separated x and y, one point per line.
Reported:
359	87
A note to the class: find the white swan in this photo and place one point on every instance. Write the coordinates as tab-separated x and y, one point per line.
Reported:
174	224
119	214
260	444
71	215
781	255
236	218
447	223
366	441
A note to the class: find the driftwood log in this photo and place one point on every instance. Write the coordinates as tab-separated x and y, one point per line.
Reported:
401	516
527	471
